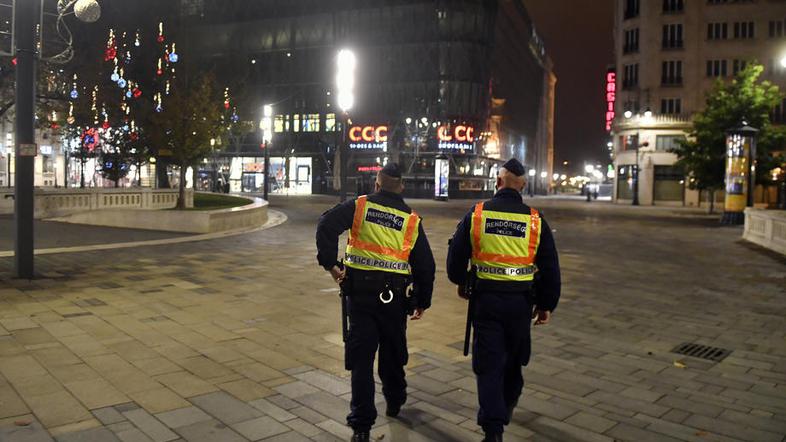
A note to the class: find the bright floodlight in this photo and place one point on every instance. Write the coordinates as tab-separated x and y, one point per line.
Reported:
266	124
88	11
345	79
544	174
628	114
531	172
783	61
267	111
589	168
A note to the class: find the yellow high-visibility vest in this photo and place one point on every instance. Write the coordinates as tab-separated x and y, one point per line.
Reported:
504	244
381	238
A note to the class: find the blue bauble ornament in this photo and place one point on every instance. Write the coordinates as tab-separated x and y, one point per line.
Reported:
74	94
115	76
173	57
129	94
122	83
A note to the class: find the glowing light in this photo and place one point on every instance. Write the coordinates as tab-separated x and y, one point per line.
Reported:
74	94
532	172
544	174
408	120
611	96
628	114
345	79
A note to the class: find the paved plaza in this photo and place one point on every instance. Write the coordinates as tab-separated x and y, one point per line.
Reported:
239	339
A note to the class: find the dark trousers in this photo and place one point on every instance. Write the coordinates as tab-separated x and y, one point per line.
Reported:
501	346
373	325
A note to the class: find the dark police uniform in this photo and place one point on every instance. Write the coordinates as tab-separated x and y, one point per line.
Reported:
374	323
503	309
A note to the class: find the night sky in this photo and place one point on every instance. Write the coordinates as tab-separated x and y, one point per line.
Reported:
579	39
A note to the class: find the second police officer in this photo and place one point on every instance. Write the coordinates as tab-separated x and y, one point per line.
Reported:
387	248
509	247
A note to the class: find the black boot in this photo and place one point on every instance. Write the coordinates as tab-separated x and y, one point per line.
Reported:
361	436
392	410
493	437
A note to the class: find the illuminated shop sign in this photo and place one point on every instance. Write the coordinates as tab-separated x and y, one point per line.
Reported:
369	168
368	137
460	137
611	95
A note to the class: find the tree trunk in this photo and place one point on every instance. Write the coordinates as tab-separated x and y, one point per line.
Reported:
181	198
82	175
712	201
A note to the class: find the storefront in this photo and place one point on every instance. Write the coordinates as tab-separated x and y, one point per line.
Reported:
288	175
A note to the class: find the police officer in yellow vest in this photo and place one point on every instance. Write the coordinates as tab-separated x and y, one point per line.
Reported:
387	249
515	276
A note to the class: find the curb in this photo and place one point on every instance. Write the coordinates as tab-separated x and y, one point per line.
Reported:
275	218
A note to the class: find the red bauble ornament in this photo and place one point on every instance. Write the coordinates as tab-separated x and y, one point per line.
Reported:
13	61
160	39
110	54
226	104
54	126
159	72
134	136
137	92
105	125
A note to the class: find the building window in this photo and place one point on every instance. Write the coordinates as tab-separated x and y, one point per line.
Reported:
631	41
672	36
630	76
671	106
778	115
671	73
778	29
738	65
281	123
330	123
668	184
744	29
296	123
666	143
311	123
48	164
717	31
625	182
716	68
672	6
631	8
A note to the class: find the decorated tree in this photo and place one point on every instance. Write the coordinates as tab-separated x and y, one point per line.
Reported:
745	98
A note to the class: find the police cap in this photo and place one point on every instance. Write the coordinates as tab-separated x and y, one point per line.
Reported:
392	170
514	166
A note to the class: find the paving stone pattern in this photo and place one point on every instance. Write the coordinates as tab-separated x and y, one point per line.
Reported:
238	339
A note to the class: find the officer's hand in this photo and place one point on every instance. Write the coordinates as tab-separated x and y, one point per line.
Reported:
541	317
338	274
417	314
462	292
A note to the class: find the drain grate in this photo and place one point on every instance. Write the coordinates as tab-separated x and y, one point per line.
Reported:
692	349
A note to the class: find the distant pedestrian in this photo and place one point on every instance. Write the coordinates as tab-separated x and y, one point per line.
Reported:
506	243
387	249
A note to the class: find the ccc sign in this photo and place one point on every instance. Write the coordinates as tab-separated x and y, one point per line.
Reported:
460	133
368	134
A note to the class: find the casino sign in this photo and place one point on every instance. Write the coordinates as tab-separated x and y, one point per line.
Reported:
368	137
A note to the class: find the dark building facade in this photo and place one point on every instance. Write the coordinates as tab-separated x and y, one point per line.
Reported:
461	84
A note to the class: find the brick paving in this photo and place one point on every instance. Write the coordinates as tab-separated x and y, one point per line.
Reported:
238	339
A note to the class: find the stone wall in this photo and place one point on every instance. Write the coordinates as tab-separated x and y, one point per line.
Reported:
766	228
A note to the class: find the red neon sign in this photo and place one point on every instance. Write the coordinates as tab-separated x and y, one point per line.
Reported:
368	134
369	168
460	133
611	95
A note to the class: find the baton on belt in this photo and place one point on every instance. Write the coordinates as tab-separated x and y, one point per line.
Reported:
469	289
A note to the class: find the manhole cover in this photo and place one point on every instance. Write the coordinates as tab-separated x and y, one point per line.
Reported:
715	354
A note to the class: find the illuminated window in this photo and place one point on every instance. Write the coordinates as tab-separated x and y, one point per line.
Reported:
296	123
330	122
717	31
311	123
278	124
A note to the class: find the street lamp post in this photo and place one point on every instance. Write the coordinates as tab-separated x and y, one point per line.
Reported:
345	84
266	124
636	178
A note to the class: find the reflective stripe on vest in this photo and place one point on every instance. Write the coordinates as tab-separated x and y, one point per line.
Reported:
504	244
381	238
